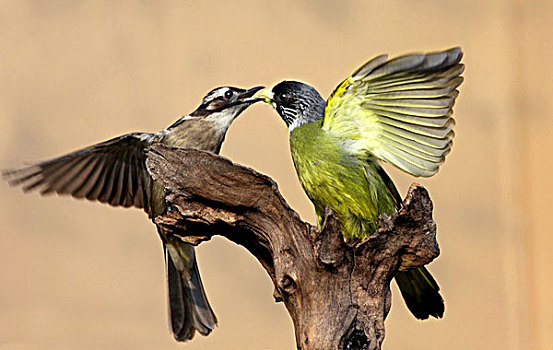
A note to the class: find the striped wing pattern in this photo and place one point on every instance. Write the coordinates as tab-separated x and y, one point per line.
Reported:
399	110
111	172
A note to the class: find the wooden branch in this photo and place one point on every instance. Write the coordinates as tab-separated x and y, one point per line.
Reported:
337	295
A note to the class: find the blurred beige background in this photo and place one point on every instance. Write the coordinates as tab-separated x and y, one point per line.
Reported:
75	274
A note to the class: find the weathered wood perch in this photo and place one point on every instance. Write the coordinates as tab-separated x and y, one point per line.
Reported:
337	295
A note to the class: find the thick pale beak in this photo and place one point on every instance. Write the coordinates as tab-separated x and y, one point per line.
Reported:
245	96
266	94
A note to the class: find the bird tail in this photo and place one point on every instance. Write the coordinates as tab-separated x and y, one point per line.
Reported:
189	309
421	293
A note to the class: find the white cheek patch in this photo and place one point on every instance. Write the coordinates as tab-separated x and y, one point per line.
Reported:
224	118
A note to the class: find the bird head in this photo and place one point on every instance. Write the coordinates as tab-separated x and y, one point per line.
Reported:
222	105
226	102
296	103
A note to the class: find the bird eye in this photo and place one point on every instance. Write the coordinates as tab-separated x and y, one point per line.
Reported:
228	94
284	97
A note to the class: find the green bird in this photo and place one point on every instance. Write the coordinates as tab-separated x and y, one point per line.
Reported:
398	111
114	172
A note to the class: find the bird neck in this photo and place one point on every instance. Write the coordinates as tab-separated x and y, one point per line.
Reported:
180	121
314	113
222	120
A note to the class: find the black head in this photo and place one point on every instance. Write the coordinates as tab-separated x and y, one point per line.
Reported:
227	98
296	103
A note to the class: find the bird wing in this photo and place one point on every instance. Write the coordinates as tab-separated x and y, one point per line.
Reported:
111	172
399	110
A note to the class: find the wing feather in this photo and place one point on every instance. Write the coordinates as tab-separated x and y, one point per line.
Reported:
439	143
80	169
85	184
436	158
96	190
423	148
435	132
59	176
399	110
399	64
126	183
111	172
109	194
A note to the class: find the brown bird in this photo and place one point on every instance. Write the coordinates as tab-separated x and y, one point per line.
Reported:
114	172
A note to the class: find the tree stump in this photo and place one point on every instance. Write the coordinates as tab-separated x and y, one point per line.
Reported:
338	295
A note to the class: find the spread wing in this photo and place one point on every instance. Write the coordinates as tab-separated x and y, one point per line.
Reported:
111	172
399	110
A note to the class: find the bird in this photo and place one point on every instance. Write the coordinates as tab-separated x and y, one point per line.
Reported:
398	111
114	172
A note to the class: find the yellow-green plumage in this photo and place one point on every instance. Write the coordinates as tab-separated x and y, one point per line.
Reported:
352	187
358	191
398	111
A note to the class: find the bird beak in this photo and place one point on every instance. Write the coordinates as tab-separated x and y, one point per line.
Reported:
266	94
246	96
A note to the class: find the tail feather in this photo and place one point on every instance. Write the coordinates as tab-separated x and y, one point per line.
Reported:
180	323
421	293
189	309
204	317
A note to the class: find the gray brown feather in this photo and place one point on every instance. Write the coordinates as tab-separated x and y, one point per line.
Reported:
112	172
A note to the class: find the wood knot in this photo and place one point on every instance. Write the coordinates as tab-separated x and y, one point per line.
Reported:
357	340
287	284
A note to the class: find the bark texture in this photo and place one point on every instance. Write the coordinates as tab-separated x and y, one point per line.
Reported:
338	296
